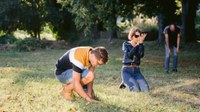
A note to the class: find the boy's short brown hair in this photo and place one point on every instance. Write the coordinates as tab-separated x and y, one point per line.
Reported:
101	54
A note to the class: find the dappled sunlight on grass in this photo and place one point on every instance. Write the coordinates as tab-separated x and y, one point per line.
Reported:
172	93
28	83
11	71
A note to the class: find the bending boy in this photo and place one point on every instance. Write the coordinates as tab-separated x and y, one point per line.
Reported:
76	69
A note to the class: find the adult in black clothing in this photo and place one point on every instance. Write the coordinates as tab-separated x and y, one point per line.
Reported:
172	45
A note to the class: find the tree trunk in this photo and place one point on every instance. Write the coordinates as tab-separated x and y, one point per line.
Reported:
39	35
113	34
35	34
160	29
113	22
113	28
95	32
188	20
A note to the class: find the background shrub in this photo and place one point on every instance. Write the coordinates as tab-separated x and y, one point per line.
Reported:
29	44
7	39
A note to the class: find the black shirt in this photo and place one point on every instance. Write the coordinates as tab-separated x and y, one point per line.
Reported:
76	59
64	64
172	35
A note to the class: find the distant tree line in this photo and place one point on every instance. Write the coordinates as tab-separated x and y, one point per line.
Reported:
66	18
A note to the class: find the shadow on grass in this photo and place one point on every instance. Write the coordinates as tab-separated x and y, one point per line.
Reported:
192	90
185	92
97	107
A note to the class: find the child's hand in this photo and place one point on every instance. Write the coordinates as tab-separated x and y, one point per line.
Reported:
133	43
142	38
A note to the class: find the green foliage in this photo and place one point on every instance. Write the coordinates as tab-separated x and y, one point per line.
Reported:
29	44
33	18
28	15
144	23
156	7
73	37
10	12
179	5
197	25
197	19
60	21
89	14
7	39
85	16
86	42
2	33
65	17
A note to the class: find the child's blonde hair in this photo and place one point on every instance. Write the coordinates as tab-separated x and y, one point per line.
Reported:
132	32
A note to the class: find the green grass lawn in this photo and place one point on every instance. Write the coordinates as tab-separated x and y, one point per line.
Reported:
28	84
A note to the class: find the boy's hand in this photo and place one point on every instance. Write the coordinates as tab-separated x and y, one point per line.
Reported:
92	100
91	94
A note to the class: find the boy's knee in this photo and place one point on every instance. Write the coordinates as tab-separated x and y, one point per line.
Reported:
89	78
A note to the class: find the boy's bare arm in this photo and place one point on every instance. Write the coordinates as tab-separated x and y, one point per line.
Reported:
90	86
79	88
77	85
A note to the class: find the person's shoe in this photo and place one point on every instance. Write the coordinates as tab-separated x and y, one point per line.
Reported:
175	70
122	86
